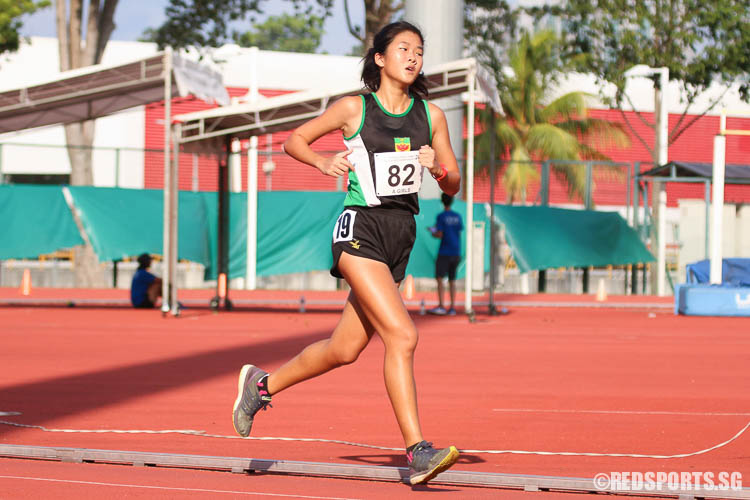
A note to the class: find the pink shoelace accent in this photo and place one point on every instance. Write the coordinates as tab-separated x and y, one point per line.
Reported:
409	456
261	392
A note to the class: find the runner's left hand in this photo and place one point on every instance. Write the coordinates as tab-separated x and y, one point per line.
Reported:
427	159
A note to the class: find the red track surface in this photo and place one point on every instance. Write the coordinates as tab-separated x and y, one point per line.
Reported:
548	379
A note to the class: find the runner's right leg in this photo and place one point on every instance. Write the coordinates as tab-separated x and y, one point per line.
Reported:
349	339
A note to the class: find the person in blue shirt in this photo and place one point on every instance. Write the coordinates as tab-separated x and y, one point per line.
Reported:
448	228
146	287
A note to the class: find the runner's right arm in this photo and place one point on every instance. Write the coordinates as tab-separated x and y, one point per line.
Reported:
345	115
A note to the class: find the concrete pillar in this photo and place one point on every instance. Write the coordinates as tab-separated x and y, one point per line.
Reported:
442	24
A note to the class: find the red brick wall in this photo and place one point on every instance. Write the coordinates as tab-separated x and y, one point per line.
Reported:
694	145
288	175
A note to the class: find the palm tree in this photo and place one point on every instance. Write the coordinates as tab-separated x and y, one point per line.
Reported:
534	131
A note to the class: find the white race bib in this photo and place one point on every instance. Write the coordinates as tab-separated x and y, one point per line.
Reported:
397	173
344	229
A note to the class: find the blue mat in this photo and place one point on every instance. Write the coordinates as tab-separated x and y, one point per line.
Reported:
712	300
698	297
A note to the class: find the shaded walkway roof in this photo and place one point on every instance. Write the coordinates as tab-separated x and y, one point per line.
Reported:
285	112
734	174
83	94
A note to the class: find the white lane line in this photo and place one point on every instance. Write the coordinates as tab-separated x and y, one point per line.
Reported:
200	490
622	412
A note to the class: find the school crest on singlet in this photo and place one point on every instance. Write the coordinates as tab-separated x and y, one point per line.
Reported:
402	144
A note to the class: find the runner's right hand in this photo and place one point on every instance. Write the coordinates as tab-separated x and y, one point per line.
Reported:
336	165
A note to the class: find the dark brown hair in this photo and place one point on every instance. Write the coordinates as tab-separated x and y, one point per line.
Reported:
144	261
381	41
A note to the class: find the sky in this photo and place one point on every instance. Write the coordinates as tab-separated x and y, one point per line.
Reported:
134	16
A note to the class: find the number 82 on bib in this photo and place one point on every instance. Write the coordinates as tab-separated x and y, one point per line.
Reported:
397	173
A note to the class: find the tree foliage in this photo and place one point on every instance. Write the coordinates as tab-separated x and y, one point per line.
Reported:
378	13
285	33
10	20
700	42
206	24
536	127
490	26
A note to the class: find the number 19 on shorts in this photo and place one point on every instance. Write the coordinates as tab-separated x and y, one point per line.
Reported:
344	229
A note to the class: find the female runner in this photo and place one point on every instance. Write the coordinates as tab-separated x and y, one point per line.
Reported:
391	134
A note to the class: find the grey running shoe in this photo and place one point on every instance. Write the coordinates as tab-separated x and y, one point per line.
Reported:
425	462
250	398
440	311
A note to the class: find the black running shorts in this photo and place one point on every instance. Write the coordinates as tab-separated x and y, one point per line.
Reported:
447	265
385	235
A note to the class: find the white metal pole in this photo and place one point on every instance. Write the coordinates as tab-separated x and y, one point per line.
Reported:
663	117
663	145
717	208
251	253
470	194
252	219
165	284
235	171
174	218
661	228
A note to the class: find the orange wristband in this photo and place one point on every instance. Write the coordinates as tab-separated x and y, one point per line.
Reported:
442	176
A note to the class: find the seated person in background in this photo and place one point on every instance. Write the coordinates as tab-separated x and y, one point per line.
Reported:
146	287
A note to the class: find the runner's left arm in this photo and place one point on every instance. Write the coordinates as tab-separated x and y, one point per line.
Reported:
444	156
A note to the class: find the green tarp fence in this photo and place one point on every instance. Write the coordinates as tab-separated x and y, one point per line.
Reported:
294	229
34	220
123	223
545	237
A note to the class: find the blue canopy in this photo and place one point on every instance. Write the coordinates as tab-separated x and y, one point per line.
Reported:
734	272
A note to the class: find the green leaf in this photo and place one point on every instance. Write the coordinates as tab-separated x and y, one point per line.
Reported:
11	12
206	24
285	33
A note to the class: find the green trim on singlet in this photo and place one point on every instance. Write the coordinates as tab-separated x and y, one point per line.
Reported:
361	124
354	195
429	118
389	113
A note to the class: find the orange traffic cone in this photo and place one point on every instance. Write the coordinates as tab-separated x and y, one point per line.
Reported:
409	287
26	283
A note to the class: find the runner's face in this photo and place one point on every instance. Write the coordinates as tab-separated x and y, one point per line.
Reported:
402	60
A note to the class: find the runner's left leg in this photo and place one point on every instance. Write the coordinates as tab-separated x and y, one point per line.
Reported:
378	295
